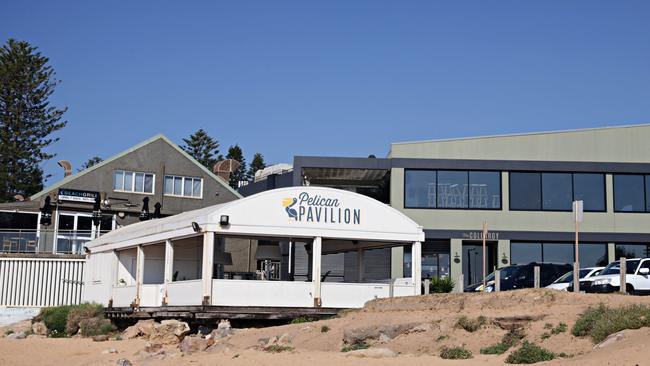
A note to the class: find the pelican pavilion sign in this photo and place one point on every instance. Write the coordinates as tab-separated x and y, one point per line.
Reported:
320	209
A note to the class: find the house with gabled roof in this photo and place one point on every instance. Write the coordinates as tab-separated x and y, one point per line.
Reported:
155	178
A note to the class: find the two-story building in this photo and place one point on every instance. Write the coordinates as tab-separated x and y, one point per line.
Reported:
155	178
521	185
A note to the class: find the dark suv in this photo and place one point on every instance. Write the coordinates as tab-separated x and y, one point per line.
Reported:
521	276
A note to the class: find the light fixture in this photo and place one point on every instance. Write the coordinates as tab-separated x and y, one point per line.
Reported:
121	214
224	220
504	259
86	250
456	258
196	227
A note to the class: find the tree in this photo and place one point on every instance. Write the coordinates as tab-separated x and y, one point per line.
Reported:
90	162
235	153
203	148
27	119
256	164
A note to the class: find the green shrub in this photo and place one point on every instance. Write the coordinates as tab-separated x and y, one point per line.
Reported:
78	313
324	329
561	328
441	285
455	353
598	323
9	331
55	319
65	320
471	325
548	326
354	347
530	353
301	319
545	335
91	327
497	349
508	340
277	348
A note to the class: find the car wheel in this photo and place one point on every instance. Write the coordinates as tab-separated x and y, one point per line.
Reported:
630	289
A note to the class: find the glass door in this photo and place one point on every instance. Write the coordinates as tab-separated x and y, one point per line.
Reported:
473	260
73	230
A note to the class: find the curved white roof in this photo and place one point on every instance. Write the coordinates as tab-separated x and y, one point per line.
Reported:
296	212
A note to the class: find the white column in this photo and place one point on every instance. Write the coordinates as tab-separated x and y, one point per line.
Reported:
139	274
315	269
114	267
208	260
169	268
416	266
361	265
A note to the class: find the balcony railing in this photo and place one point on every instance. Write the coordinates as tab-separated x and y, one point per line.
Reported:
45	241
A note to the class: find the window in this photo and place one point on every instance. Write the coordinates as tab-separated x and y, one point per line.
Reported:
452	189
557	191
183	186
136	182
435	260
629	193
525	191
632	251
549	191
591	254
455	189
590	188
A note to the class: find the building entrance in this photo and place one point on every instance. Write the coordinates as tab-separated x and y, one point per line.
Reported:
473	260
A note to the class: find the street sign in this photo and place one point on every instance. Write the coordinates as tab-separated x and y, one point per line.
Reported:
577	211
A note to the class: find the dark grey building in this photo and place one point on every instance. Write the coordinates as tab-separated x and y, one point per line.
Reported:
116	192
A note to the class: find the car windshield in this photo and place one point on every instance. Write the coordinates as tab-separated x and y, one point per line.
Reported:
615	268
509	272
568	277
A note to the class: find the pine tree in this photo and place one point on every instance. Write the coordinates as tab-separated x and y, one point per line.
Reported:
90	162
235	153
256	164
203	148
27	119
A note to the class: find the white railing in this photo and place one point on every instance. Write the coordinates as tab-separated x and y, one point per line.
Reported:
35	241
262	293
39	282
151	295
185	293
123	296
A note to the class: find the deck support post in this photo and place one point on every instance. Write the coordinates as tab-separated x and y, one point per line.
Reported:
207	267
315	269
416	267
139	275
169	269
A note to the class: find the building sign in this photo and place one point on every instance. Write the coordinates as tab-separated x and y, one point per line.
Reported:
478	235
75	195
320	209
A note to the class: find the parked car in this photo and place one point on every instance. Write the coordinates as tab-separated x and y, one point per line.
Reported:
521	276
566	281
637	279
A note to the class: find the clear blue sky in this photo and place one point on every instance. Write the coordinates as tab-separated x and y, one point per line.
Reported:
341	78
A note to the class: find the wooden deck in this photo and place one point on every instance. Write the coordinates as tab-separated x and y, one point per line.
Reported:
207	313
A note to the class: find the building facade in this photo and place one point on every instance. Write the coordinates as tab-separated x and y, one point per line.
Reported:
522	186
155	178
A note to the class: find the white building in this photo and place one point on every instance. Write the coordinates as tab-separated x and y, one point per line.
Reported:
187	259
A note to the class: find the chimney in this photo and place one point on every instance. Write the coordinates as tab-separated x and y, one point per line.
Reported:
67	167
224	168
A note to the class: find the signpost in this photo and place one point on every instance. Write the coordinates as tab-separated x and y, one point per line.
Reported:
578	217
485	231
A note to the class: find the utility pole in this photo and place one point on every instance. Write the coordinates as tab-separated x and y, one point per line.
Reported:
578	217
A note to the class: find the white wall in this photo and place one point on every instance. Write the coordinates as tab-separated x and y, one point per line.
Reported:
126	266
262	293
98	278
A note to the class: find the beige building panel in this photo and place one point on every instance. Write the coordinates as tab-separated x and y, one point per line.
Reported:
615	144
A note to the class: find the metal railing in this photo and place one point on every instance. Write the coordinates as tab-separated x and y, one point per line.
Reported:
45	241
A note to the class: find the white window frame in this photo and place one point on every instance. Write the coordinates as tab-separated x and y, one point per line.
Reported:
183	178
133	174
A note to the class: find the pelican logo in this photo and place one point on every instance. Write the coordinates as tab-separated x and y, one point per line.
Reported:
320	209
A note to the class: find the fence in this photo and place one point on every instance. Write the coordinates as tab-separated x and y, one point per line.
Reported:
40	282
